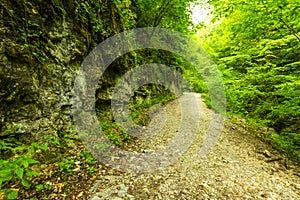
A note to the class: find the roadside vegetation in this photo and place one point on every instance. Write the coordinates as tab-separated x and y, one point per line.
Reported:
255	45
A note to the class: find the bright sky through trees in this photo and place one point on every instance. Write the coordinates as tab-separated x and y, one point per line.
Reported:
201	11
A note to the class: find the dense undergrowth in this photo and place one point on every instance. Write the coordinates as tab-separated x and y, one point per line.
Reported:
59	168
259	61
23	166
256	46
268	89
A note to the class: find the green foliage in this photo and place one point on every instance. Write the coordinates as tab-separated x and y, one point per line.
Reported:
72	164
289	142
195	79
93	13
250	21
256	46
12	194
113	132
32	22
42	187
29	29
53	140
37	27
171	14
65	138
8	131
18	166
87	157
67	165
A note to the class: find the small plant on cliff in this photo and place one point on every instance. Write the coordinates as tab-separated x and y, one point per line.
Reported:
17	168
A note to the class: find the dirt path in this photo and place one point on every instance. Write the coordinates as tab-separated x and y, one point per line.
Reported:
239	167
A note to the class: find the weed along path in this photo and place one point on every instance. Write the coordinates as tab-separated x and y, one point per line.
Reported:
240	166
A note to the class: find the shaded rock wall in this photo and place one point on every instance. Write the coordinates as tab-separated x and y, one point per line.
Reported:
42	47
36	96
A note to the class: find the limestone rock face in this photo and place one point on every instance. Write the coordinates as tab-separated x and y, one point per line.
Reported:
38	68
42	47
35	97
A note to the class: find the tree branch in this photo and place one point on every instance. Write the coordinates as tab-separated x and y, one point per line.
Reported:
291	29
161	14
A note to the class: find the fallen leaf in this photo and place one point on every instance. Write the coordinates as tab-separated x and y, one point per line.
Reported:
80	194
34	11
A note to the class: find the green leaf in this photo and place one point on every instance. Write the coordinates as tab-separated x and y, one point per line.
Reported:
6	174
25	161
20	171
34	144
31	173
12	194
22	161
25	183
32	161
20	148
44	146
30	149
2	162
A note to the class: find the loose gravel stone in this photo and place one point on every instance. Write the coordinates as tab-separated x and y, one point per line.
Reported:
238	167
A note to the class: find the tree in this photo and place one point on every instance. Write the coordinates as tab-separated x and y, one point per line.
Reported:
257	46
173	14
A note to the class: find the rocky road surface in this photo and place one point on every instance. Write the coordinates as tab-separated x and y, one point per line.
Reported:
240	166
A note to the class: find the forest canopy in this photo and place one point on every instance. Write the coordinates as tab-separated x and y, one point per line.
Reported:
256	45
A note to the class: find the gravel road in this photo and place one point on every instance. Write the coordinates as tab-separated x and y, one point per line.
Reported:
240	166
